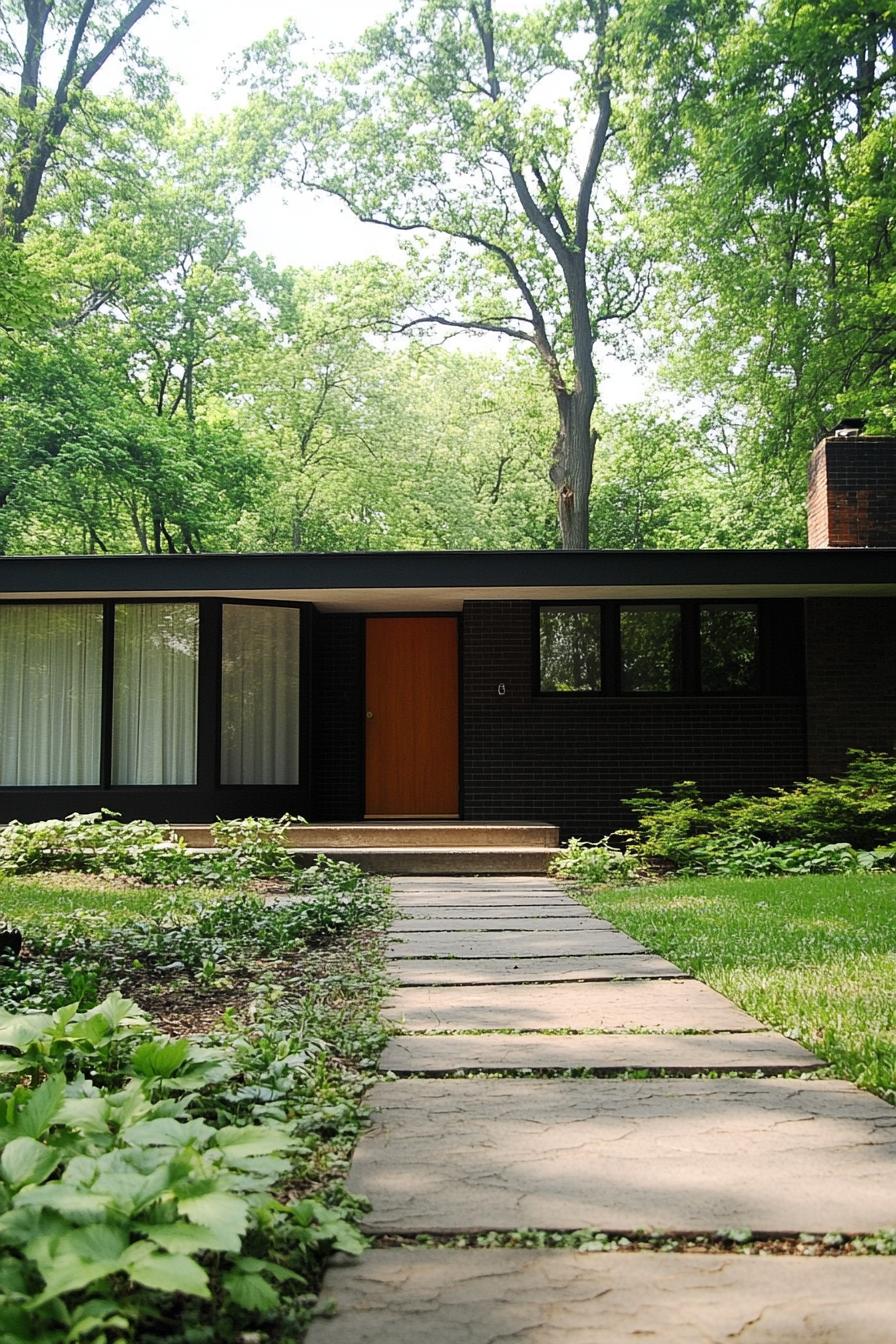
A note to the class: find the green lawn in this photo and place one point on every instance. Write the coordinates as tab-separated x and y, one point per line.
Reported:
54	900
812	956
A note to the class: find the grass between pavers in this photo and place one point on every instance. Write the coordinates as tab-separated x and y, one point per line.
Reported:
726	1241
813	957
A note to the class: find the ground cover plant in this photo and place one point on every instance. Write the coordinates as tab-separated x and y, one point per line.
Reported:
180	1079
812	956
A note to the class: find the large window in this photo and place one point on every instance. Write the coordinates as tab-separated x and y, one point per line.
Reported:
51	694
570	648
729	649
650	641
154	693
260	695
668	648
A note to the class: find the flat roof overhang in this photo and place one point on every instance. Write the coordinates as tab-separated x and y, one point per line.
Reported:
444	580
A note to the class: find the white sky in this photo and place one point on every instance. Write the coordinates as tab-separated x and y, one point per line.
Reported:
295	231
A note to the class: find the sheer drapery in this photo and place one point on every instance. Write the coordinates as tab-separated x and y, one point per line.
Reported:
154	693
260	695
51	687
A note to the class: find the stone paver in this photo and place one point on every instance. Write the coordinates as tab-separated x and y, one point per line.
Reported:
509	922
494	943
560	1297
564	991
474	915
670	1154
726	1052
653	1005
548	970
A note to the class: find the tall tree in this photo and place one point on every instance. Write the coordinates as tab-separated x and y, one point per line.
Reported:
76	38
491	131
766	161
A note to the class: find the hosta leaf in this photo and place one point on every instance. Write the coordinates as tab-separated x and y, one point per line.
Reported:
89	1115
66	1275
249	1264
188	1238
168	1132
42	1107
19	1030
90	1315
91	1029
224	1212
252	1140
116	1009
251	1291
159	1059
170	1273
97	1241
8	1065
27	1162
64	1199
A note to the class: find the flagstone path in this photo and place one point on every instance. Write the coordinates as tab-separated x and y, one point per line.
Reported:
500	979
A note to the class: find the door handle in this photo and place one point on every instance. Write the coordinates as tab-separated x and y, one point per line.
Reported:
370	713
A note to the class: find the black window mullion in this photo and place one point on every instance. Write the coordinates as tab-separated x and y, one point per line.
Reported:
208	718
612	668
108	692
690	648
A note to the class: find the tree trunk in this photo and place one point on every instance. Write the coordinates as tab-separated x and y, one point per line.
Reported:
572	467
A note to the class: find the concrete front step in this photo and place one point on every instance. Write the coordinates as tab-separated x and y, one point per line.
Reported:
456	835
409	860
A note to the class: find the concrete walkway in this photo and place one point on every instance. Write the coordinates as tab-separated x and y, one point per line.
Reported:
511	977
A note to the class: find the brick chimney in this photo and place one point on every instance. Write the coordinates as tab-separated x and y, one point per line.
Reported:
852	489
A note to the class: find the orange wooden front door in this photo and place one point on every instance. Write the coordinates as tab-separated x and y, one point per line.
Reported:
412	716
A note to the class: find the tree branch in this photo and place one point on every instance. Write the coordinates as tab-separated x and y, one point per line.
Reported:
595	154
460	324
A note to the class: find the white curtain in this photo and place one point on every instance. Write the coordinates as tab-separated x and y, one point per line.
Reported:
51	688
154	693
260	695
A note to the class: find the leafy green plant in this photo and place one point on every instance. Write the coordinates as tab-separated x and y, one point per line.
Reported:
816	826
110	1191
250	847
95	842
601	862
34	1043
332	897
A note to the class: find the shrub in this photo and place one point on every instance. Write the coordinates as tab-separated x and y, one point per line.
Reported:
857	808
601	862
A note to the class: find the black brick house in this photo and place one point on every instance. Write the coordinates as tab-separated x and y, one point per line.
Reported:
488	686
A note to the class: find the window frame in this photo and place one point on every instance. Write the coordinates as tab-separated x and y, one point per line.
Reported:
762	662
70	602
207	786
689	682
303	744
604	624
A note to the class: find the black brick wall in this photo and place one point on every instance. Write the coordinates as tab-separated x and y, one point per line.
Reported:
570	762
337	718
850	678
